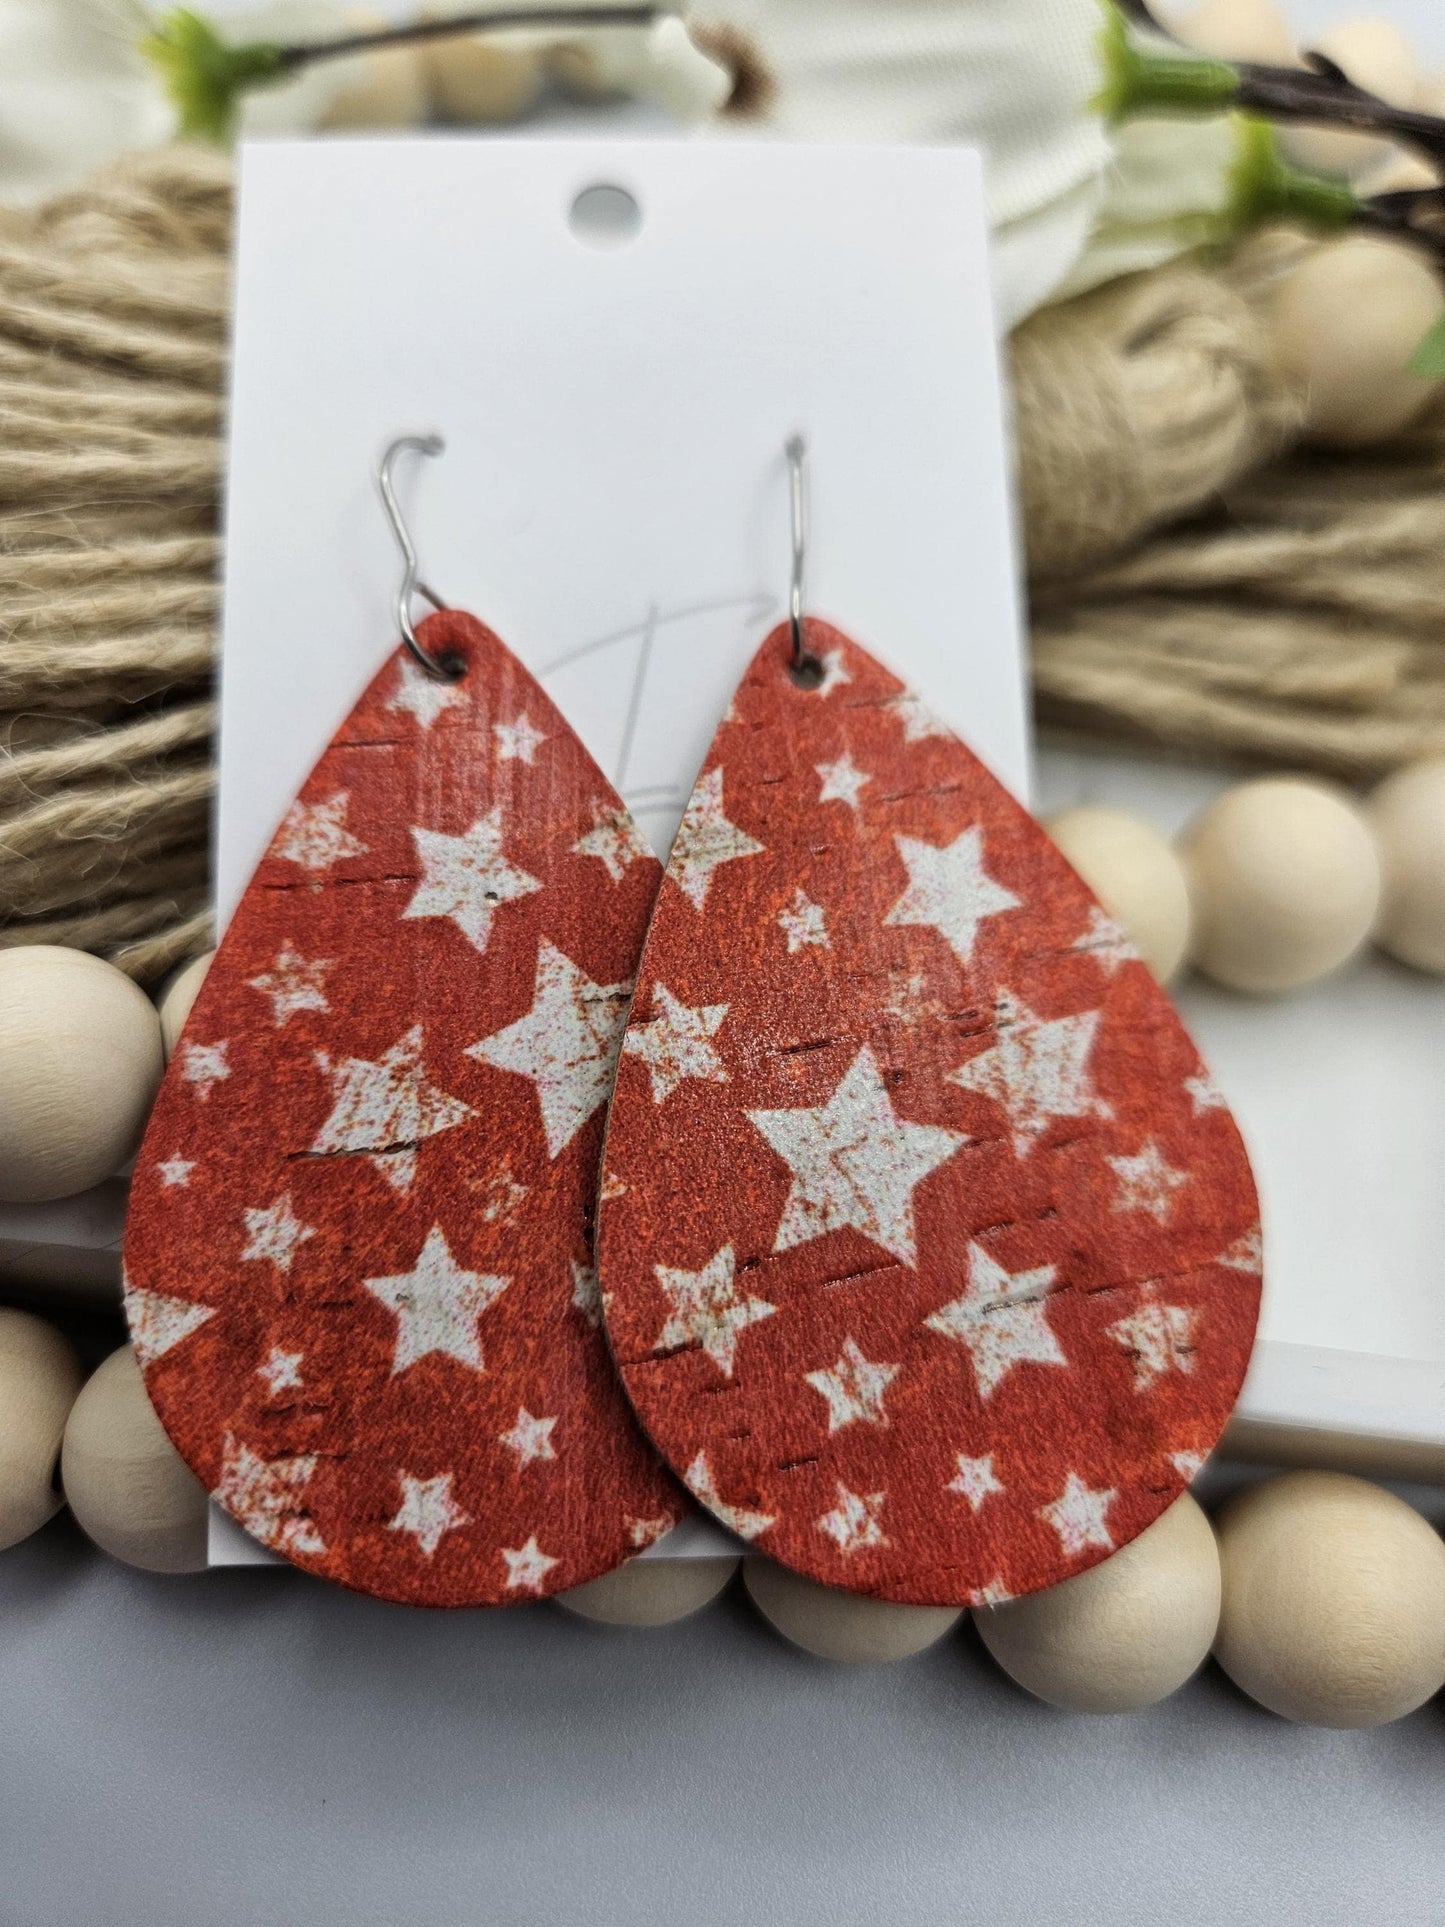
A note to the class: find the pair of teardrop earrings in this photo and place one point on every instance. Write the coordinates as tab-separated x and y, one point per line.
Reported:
921	1251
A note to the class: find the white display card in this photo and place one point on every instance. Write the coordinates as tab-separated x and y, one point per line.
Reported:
613	497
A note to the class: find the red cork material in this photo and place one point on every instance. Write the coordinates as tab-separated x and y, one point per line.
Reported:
359	1275
929	1251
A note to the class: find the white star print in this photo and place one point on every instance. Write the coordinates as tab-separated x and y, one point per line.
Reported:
501	1196
281	1371
919	722
746	1524
646	1532
1247	1252
995	1593
467	878
176	1171
293	984
268	1497
1037	1070
1203	1093
1147	1182
843	781
1078	1516
423	694
1002	1318
615	841
157	1323
567	1043
587	1293
1160	1336
518	741
275	1233
530	1438
314	836
436	1306
675	1043
708	1310
1188	1465
1105	942
853	1523
949	890
384	1110
854	1389
428	1511
203	1065
707	840
975	1479
834	674
527	1567
803	922
854	1162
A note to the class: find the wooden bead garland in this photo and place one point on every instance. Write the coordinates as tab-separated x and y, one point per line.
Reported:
650	1592
1137	877
842	1626
39	1378
1407	815
175	1001
127	1485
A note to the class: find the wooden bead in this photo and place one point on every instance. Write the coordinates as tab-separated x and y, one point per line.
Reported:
1376	56
127	1485
1407	815
1285	881
1345	324
1237	30
650	1592
480	79
842	1626
80	1060
40	1375
383	88
175	1001
1135	874
1334	1600
1124	1634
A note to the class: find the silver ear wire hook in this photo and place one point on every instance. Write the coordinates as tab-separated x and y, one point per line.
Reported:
806	669
410	584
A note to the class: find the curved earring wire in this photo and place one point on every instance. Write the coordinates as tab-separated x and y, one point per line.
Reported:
410	584
805	667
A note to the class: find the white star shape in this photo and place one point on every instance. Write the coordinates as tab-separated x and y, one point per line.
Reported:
675	1043
1147	1182
615	841
501	1195
467	878
854	1389
587	1293
1038	1069
281	1371
203	1065
854	1162
314	836
427	1511
530	1438
293	984
158	1322
738	1518
268	1497
707	840
1105	942
1160	1336
1078	1516
527	1566
708	1310
975	1479
1002	1318
834	674
384	1110
949	890
802	922
567	1043
425	696
436	1306
646	1532
994	1593
853	1524
843	781
275	1233
1203	1093
919	722
1246	1253
176	1172
518	741
1188	1465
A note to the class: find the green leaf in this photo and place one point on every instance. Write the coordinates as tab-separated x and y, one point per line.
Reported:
1429	357
205	75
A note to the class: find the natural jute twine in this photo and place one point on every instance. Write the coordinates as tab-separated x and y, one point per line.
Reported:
1298	621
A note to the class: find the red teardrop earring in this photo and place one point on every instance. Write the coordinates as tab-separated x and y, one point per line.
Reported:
359	1275
930	1253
